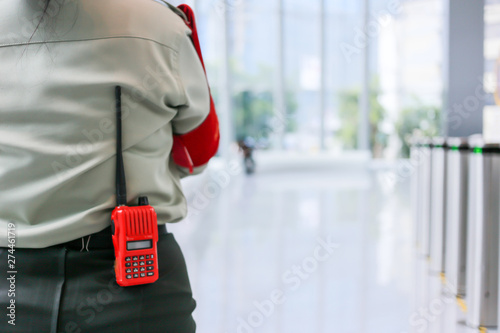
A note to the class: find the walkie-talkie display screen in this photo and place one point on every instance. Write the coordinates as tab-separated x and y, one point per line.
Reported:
139	245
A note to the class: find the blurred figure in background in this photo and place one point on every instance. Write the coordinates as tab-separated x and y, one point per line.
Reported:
247	146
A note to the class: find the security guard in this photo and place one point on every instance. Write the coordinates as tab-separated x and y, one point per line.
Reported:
61	61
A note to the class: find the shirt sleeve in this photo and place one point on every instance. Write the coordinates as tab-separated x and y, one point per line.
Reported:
194	86
196	126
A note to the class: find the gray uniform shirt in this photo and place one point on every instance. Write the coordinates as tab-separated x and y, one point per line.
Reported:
57	113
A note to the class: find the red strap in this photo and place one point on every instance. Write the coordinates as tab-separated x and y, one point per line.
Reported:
181	155
198	146
191	23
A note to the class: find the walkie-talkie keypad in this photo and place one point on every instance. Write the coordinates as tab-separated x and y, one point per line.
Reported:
139	265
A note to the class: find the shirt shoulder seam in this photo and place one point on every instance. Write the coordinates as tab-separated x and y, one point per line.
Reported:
86	40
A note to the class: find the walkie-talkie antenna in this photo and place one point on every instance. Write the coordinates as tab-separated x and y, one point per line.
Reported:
121	187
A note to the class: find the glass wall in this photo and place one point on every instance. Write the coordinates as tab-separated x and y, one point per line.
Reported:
278	88
410	57
491	50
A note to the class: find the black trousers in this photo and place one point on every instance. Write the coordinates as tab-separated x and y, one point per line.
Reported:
71	288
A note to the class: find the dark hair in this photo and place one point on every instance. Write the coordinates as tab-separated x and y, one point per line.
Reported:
47	2
43	16
47	21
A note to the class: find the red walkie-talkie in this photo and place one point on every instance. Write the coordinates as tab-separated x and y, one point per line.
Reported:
134	229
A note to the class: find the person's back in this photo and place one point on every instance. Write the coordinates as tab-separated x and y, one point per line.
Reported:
57	127
58	158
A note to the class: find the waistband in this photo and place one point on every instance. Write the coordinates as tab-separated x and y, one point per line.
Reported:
100	240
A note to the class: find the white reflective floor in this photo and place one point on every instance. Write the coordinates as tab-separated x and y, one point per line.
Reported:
257	259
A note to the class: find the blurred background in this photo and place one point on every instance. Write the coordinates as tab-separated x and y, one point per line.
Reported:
302	223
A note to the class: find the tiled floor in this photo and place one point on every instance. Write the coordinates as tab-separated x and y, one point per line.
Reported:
300	252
